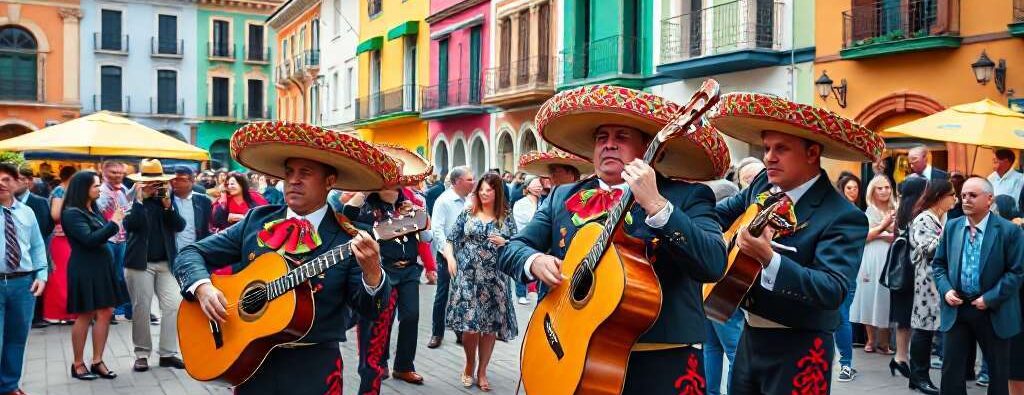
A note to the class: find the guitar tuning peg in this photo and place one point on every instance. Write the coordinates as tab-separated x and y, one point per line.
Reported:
405	239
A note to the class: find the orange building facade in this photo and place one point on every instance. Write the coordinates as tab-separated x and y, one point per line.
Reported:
39	52
297	23
906	59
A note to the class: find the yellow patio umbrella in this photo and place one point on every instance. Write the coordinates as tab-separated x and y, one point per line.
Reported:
984	123
104	134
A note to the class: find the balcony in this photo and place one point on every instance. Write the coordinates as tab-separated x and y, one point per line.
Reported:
114	105
222	112
392	106
455	98
284	72
1017	27
610	60
164	108
221	51
257	55
110	43
298	66
311	58
166	48
523	82
916	25
730	37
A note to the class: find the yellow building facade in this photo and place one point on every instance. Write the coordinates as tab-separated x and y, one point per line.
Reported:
394	65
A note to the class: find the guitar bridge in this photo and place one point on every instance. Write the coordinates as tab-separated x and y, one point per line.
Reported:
549	333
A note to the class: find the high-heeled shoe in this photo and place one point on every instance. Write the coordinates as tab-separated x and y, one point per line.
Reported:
105	373
82	376
924	386
902	367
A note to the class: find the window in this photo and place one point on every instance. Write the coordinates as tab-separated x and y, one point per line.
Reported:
110	88
220	47
284	51
522	64
350	87
167	34
255	89
166	92
374	97
543	41
256	45
410	92
505	56
335	88
442	73
314	104
373	7
219	90
337	18
17	64
110	25
220	155
474	64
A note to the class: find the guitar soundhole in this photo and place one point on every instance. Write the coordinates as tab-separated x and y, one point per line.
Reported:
253	301
582	287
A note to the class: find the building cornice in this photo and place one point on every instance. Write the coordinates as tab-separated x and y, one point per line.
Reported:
255	6
289	11
455	9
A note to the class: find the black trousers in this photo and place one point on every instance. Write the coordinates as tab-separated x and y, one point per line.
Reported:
440	297
672	371
374	336
972	327
309	370
782	361
921	354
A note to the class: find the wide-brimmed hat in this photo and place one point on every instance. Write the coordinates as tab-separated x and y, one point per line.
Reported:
536	162
569	119
150	170
414	168
744	116
265	146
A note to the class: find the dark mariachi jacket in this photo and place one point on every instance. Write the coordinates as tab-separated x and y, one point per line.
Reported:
405	249
813	281
339	289
690	251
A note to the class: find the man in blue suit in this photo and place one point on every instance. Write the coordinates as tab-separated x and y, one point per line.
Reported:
978	272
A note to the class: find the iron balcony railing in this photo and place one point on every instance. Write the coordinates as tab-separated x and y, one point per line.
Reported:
401	99
617	54
729	27
298	65
524	74
163	47
165	107
1018	11
221	50
110	42
312	58
284	70
456	93
883	21
112	104
220	110
257	54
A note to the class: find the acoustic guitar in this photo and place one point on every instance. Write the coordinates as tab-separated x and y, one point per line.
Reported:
579	337
721	299
269	304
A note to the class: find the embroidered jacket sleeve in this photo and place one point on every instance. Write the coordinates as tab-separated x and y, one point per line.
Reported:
692	237
530	241
192	265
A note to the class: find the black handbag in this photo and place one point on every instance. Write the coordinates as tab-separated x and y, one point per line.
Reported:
897	264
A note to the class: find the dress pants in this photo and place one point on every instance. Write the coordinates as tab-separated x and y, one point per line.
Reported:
671	371
972	327
118	250
374	336
921	354
156	280
444	281
307	370
16	305
723	339
774	361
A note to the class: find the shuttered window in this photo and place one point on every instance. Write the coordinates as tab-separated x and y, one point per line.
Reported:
17	64
110	88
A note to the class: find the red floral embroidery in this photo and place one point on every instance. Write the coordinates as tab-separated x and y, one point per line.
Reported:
380	333
811	379
691	382
334	380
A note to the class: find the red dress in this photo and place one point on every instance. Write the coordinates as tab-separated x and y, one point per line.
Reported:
55	295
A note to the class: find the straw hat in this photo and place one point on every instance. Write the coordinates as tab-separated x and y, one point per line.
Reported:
569	119
414	168
744	116
150	170
265	146
537	163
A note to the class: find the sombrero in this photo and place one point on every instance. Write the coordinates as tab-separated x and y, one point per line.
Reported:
744	116
150	170
569	119
265	146
414	168
537	163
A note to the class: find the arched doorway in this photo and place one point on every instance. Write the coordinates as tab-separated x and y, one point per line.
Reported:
528	142
478	158
441	157
18	53
12	130
220	155
505	152
459	153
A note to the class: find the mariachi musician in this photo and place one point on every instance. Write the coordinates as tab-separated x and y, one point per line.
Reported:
612	126
311	161
793	308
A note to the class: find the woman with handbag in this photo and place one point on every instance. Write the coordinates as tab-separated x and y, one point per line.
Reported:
900	275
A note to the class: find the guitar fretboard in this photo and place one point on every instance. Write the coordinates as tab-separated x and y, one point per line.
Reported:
307	270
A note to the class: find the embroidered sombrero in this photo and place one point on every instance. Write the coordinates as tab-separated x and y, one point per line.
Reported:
265	146
537	163
414	168
744	116
569	119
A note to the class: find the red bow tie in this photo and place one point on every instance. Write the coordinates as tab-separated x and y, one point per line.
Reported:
291	236
591	204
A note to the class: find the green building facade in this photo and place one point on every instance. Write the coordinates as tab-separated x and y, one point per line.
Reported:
606	42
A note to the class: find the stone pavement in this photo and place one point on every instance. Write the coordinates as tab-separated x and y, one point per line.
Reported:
49	358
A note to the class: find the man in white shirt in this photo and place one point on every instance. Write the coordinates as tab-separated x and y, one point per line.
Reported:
446	210
919	164
1004	178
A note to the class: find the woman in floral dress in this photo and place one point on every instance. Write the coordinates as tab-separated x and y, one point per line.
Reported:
480	305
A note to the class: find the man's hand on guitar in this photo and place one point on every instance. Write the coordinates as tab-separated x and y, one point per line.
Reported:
367	253
547	269
642	182
213	303
759	248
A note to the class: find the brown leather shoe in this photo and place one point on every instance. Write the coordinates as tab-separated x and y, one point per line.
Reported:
141	365
435	342
408	377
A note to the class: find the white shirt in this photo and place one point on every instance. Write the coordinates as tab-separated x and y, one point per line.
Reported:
927	173
446	212
1009	184
769	273
187	211
314	219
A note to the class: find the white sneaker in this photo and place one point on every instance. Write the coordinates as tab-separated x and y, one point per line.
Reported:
523	300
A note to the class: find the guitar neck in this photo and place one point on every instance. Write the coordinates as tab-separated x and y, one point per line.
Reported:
308	270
